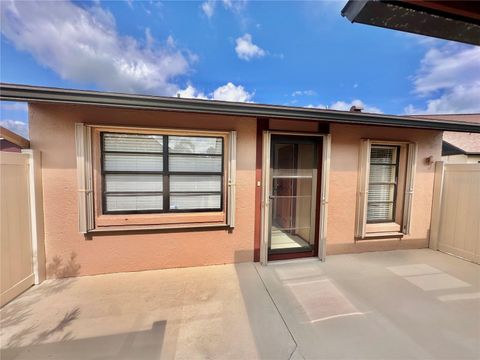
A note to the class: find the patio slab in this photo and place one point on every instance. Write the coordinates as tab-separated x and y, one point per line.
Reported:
409	304
406	304
213	312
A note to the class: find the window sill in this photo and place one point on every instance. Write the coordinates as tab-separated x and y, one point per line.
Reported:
382	235
389	227
161	220
160	228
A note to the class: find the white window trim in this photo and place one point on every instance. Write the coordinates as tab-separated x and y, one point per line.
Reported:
362	188
85	184
232	178
324	192
86	212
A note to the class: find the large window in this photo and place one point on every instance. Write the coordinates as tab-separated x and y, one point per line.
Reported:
382	187
152	173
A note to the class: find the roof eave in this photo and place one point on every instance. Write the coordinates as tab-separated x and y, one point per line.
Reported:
35	94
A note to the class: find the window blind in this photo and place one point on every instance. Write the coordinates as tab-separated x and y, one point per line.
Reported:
382	183
145	173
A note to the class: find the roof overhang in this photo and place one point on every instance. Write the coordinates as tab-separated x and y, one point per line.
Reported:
14	138
450	20
35	94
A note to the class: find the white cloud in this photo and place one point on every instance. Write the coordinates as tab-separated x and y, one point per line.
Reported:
235	5
227	92
17	126
345	106
457	100
149	39
246	50
231	92
304	93
446	67
208	7
190	92
82	44
129	3
448	79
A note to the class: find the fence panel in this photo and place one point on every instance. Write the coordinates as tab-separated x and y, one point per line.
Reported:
456	211
16	266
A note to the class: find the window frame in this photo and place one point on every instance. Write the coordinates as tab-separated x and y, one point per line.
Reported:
166	174
89	187
395	183
403	216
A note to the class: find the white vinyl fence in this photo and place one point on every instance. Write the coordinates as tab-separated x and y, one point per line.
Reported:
21	224
456	210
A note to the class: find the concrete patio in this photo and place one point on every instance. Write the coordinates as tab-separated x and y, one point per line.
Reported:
414	304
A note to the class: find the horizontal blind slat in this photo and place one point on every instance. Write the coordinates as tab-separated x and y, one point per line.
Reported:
195	201
133	142
133	182
134	202
195	183
195	145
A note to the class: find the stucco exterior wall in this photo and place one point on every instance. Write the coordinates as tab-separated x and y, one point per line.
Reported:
343	186
69	253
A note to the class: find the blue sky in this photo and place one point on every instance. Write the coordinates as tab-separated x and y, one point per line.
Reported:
287	53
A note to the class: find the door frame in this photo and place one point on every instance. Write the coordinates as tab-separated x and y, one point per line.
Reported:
265	203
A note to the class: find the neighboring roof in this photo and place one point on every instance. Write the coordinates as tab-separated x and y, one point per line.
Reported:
36	94
473	118
449	149
449	20
458	142
14	138
468	143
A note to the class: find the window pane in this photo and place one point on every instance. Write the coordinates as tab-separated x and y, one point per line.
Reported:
133	202
380	212
195	183
133	182
188	163
133	143
382	173
195	145
383	155
132	162
194	201
381	193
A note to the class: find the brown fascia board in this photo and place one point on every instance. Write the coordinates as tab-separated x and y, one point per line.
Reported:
37	94
14	138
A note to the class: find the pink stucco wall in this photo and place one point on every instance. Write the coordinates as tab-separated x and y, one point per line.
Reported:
343	186
69	253
52	132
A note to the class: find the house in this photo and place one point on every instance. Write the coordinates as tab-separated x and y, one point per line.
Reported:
134	182
459	147
12	142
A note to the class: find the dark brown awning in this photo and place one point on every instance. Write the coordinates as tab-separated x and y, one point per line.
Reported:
449	20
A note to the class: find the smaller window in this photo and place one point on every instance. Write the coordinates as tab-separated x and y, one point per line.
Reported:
385	188
382	186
